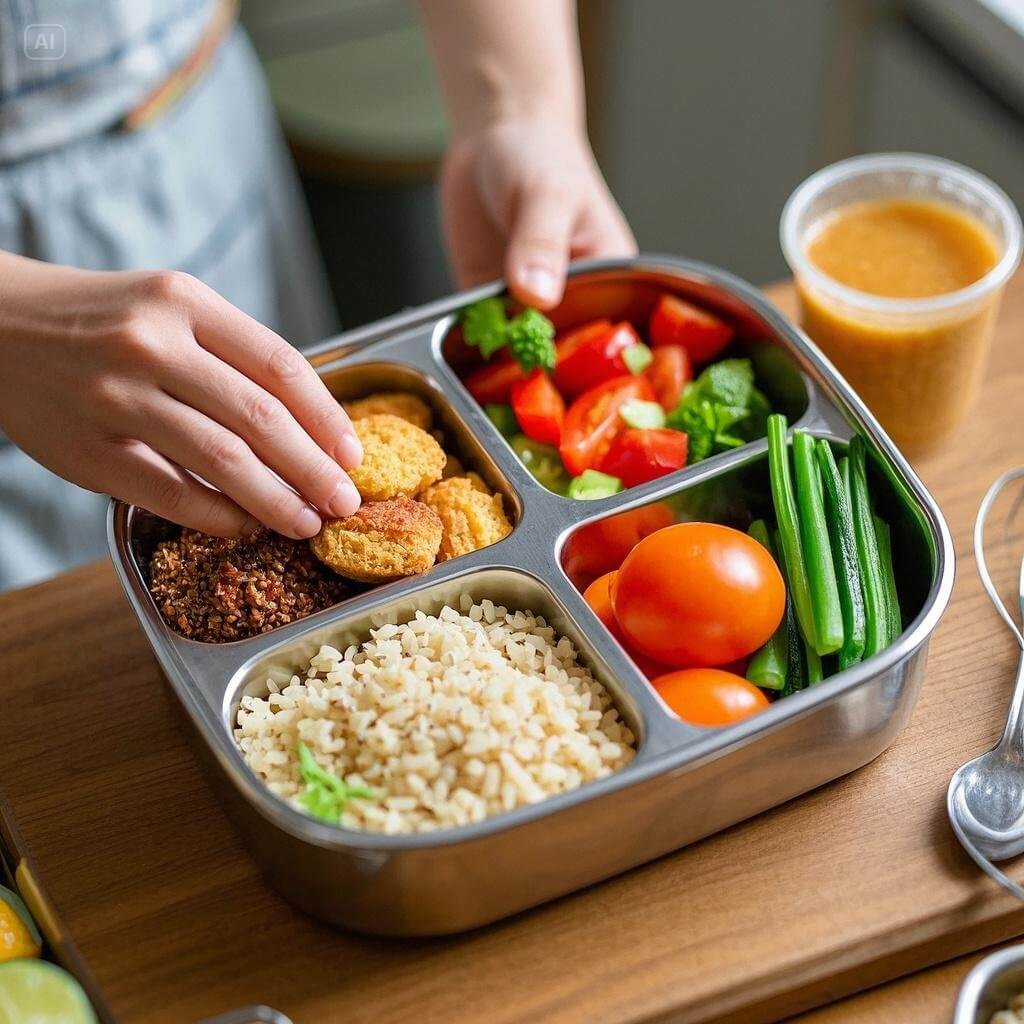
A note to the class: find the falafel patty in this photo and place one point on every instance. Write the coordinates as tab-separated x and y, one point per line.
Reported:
399	459
383	540
403	404
472	516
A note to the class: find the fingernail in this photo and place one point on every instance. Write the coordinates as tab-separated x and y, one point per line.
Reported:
541	283
349	452
344	501
307	524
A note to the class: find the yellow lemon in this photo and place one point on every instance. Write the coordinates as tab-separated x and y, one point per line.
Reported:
18	934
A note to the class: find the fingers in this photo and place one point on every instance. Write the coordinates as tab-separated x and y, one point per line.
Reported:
268	360
476	246
221	458
538	246
268	427
603	233
135	473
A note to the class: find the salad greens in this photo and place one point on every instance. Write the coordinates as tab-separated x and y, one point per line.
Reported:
591	484
721	409
543	462
503	418
529	336
326	795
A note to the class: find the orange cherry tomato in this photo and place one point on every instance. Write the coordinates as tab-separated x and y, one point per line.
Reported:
670	371
539	408
600	547
598	596
702	334
593	421
709	696
698	594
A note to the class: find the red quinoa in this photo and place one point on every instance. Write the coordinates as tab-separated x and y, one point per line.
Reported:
217	590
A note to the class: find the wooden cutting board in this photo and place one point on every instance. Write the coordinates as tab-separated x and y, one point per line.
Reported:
160	908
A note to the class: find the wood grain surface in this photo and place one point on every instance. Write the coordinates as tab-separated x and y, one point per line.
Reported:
852	885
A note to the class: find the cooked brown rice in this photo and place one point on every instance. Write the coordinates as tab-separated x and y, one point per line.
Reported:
448	718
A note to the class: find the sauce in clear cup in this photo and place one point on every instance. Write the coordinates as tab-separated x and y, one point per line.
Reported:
900	261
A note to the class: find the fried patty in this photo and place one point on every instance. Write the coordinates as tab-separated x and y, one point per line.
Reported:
403	404
384	540
399	459
472	516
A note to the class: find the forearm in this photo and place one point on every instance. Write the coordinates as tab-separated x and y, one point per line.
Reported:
503	60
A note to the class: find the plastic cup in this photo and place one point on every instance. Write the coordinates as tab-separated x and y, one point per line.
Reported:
917	363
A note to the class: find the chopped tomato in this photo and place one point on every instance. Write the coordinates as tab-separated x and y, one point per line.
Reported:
598	596
600	547
593	421
591	354
702	334
539	408
492	383
637	456
670	371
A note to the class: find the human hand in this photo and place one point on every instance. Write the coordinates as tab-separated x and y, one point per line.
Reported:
135	384
520	198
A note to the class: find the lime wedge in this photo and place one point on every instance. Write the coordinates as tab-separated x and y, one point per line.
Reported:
37	992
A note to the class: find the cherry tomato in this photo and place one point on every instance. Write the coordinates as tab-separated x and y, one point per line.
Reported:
670	371
637	456
592	354
539	408
492	383
702	334
709	696
600	547
698	594
598	596
593	421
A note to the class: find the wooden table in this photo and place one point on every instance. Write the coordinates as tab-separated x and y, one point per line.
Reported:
161	910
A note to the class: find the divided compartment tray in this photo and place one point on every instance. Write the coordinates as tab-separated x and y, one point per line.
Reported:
685	782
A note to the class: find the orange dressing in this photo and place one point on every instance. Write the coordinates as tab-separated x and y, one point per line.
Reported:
917	375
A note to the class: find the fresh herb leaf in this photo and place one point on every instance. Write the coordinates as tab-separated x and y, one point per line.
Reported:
721	409
642	415
531	340
728	382
485	326
637	357
326	795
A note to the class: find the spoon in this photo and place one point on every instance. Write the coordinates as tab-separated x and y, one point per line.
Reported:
985	800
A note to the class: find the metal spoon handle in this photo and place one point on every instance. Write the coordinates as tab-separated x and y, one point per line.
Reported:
1013	733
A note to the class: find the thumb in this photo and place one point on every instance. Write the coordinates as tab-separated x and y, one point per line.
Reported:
538	246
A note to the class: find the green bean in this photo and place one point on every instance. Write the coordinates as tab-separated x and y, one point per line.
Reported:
876	619
796	646
892	601
789	526
767	667
812	660
821	573
844	555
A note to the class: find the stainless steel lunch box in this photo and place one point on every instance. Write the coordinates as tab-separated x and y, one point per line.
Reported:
686	782
990	985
